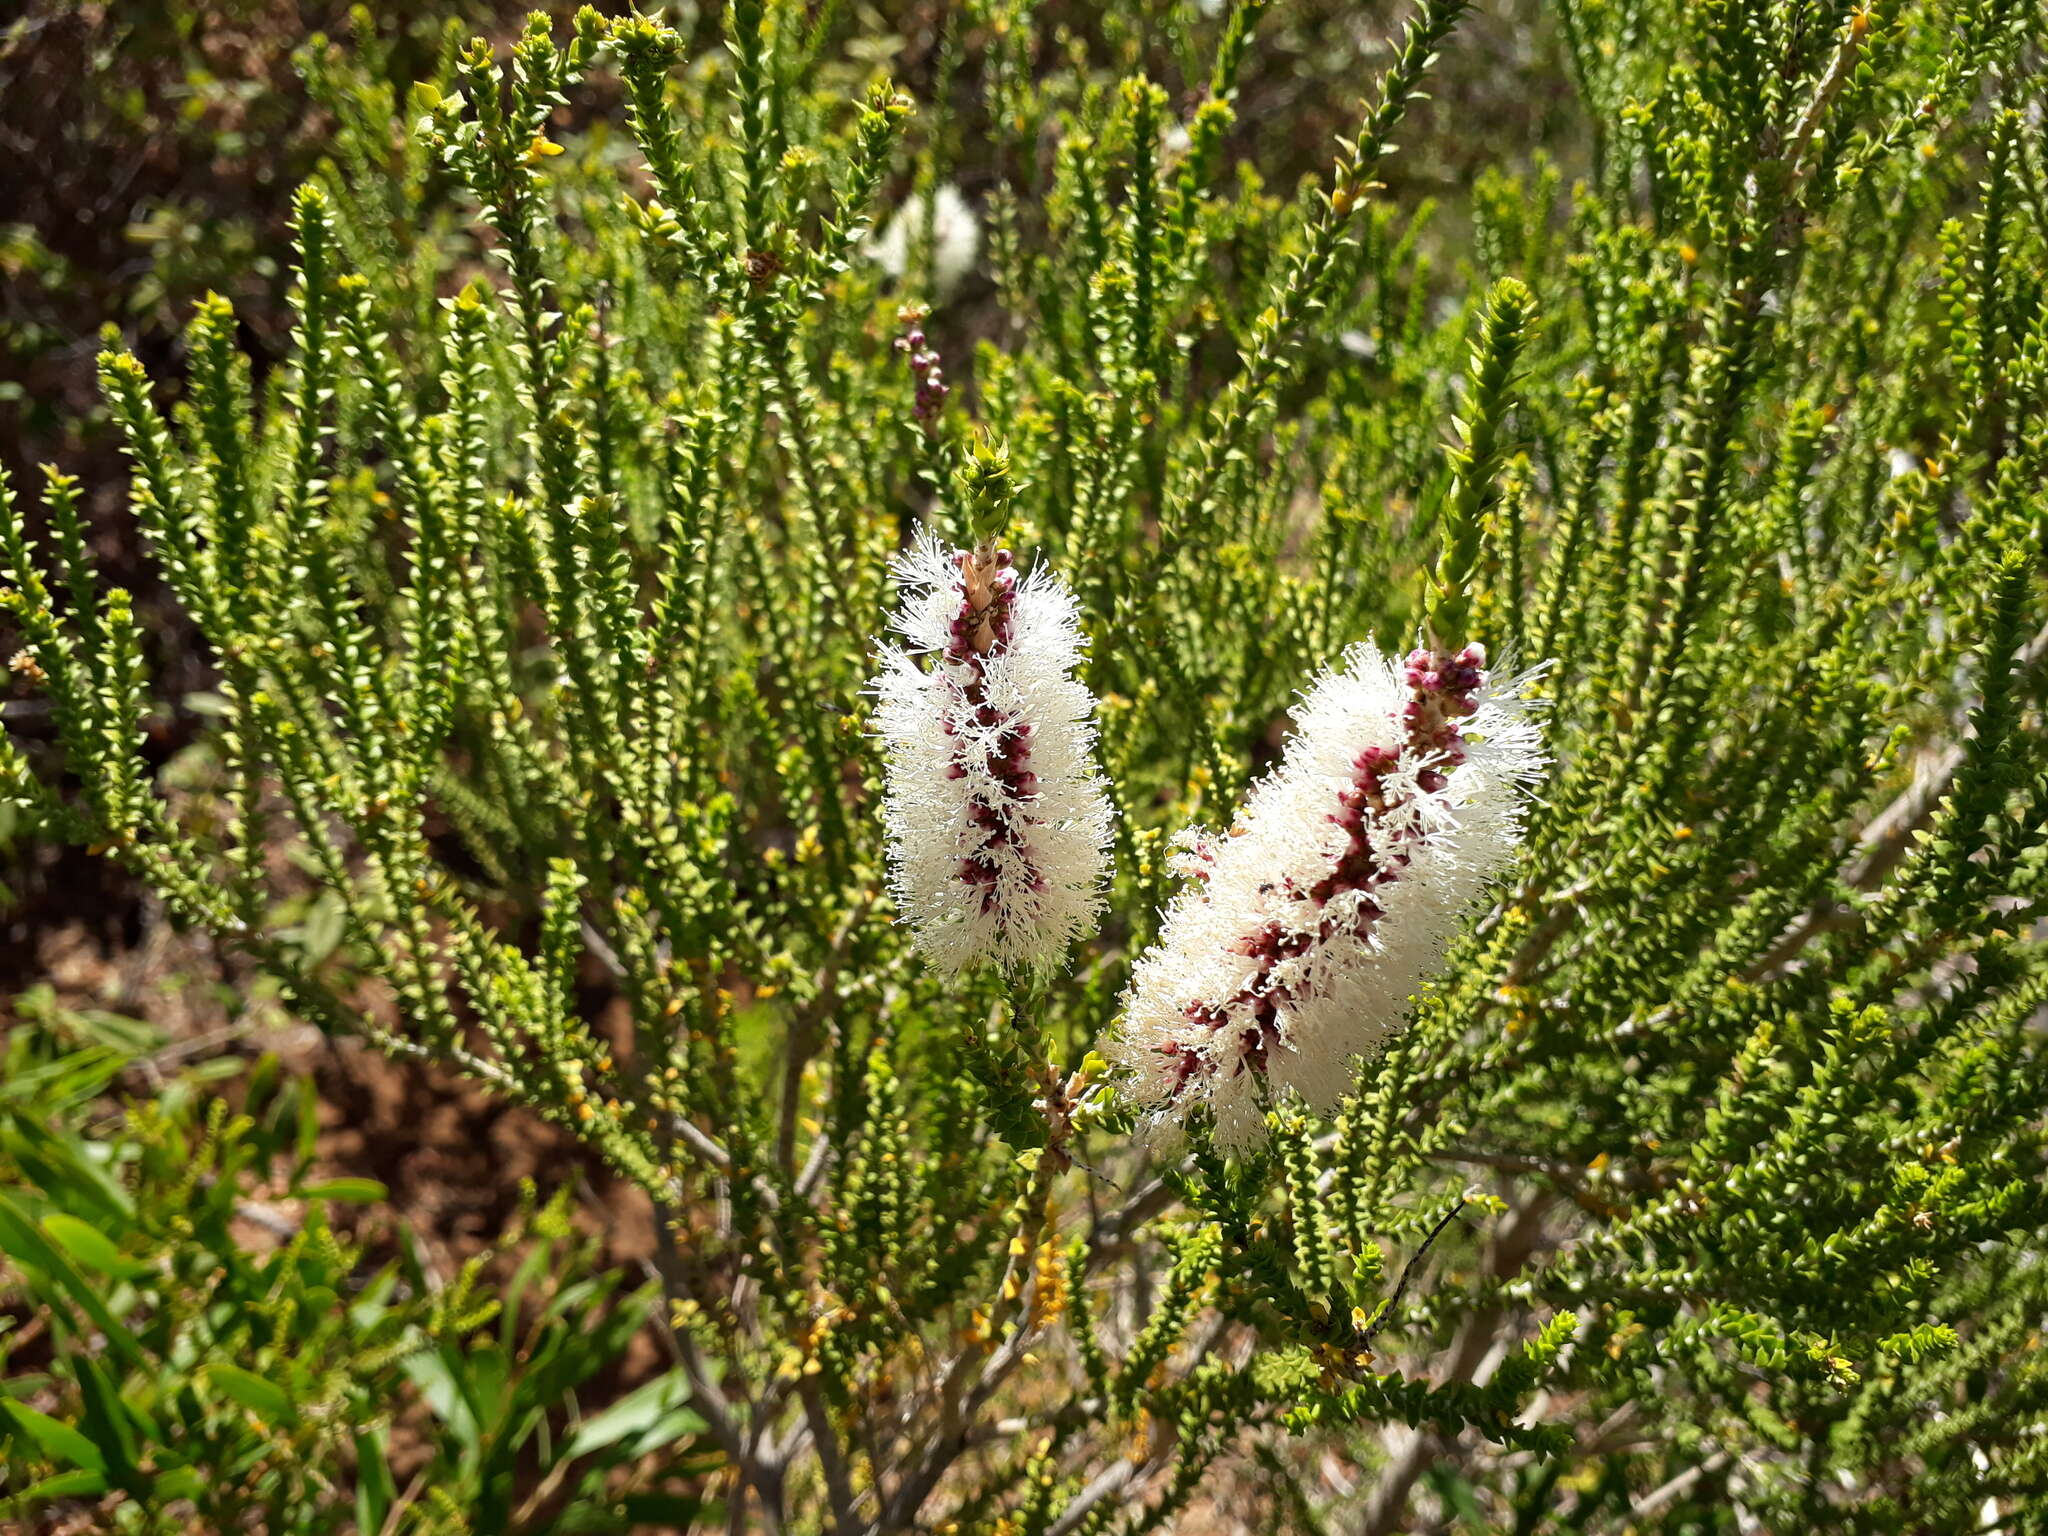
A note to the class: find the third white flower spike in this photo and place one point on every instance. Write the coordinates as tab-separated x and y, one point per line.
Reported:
956	238
1301	937
999	827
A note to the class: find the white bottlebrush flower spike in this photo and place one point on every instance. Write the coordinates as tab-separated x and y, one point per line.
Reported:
1301	937
999	827
956	238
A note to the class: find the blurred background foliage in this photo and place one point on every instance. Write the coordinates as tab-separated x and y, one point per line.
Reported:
227	1359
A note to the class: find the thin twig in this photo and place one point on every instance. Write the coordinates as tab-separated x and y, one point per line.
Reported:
1415	1259
1668	1493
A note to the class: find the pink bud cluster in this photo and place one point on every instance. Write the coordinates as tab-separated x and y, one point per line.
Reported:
981	626
1444	688
927	368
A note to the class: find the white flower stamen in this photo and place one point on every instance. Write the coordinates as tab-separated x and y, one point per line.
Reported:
1302	937
998	823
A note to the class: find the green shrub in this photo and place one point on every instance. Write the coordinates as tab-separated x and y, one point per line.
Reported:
197	1343
541	585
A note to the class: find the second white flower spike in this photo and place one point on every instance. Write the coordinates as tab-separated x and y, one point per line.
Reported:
999	827
1301	937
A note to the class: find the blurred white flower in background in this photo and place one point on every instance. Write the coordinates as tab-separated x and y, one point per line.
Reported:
955	232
